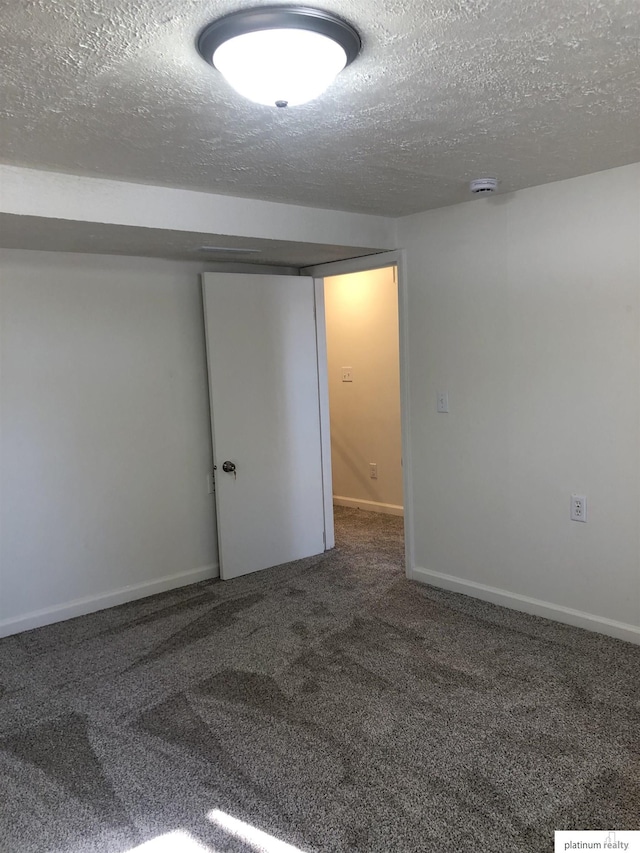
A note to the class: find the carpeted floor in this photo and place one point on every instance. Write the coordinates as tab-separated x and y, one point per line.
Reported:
330	703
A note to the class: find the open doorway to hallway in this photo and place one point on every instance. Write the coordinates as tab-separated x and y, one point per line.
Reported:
363	370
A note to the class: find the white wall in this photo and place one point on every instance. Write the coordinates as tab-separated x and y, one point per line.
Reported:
525	308
105	441
362	333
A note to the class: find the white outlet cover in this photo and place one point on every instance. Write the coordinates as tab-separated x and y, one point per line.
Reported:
579	508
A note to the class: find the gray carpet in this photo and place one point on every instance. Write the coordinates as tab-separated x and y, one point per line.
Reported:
330	703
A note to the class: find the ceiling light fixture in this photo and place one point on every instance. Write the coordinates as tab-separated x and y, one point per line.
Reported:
279	56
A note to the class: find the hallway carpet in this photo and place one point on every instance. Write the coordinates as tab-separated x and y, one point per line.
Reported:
330	703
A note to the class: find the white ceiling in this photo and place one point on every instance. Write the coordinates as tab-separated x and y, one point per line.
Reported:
444	91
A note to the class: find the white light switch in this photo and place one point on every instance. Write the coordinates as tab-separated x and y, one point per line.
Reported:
443	401
347	374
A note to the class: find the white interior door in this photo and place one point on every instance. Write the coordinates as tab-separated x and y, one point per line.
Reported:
263	383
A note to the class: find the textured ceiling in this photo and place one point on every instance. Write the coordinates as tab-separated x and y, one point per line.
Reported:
63	235
443	91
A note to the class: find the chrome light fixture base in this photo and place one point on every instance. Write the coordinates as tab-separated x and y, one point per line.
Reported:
278	18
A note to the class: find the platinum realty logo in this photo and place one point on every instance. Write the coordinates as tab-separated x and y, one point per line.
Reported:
624	840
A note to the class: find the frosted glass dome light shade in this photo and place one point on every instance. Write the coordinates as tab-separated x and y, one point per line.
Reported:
279	56
275	66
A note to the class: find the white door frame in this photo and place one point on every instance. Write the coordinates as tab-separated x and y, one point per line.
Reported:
320	272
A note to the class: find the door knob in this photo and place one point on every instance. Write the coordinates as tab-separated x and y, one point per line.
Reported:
229	467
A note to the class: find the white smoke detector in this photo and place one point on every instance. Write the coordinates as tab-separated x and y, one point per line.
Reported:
483	185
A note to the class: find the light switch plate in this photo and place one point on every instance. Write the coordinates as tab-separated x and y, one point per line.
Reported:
443	402
347	374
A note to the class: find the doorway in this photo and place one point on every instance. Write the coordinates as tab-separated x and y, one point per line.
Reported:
394	261
363	371
255	465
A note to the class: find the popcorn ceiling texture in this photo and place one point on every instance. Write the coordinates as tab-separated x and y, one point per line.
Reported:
529	90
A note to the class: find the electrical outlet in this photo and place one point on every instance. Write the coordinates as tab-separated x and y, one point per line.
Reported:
578	508
373	470
443	402
211	486
347	374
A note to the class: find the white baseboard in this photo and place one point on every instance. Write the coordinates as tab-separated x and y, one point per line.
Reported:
83	606
535	606
368	506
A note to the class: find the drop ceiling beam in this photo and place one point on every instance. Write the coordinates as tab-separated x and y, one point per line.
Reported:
31	192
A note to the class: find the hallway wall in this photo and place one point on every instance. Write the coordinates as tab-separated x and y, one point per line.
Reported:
362	333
